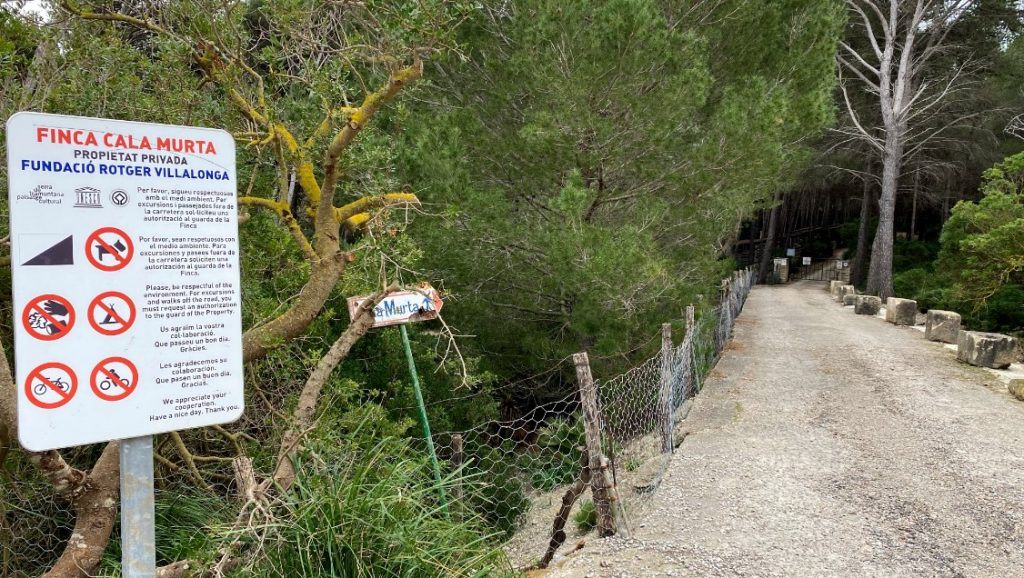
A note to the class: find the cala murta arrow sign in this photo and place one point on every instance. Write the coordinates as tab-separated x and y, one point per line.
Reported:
419	304
401	308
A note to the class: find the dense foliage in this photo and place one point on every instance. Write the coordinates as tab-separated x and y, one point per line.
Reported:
589	179
980	266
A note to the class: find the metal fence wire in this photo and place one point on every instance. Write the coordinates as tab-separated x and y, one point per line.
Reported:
515	474
510	475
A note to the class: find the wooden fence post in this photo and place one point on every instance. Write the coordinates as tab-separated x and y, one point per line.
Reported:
687	349
571	495
599	485
457	465
665	399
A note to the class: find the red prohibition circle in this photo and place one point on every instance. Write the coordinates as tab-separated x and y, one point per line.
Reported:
108	385
103	248
122	323
36	307
36	379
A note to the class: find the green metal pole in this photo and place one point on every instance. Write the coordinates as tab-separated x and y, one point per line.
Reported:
423	418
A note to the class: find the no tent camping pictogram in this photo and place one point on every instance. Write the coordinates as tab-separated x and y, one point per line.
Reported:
109	249
48	317
111	313
50	385
114	379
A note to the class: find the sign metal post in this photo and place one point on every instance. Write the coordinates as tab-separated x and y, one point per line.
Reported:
424	421
138	503
402	308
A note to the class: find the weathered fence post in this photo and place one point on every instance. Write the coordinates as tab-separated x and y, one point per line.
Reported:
599	485
457	465
665	400
724	315
570	497
689	382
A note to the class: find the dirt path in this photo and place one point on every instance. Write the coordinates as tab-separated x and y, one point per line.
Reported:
830	444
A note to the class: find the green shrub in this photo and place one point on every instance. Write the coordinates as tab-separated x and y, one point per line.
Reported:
557	459
586	516
186	520
497	494
909	284
1004	310
372	513
909	254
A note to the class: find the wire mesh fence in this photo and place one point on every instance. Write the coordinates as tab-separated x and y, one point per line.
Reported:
522	469
511	474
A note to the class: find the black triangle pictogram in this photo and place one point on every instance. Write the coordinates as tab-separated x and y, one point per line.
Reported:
109	319
62	253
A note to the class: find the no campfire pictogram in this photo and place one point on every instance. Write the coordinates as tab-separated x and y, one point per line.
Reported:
48	317
51	385
114	379
109	249
111	313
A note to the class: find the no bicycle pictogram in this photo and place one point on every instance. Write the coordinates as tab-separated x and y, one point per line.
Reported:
109	249
51	385
114	379
48	317
111	313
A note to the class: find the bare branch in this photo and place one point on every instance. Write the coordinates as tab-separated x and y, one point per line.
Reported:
868	138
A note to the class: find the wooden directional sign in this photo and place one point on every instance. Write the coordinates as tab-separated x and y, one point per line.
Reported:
420	304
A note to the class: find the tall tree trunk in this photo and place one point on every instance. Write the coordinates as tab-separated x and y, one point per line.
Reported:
913	210
880	271
755	231
858	268
769	242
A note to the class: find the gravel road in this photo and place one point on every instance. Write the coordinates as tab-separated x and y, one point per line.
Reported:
831	444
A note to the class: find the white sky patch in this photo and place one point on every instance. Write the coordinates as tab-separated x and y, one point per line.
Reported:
36	7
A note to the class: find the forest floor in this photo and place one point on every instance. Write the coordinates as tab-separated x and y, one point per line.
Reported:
830	444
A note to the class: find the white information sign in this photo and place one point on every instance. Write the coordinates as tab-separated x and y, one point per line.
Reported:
791	252
124	250
807	260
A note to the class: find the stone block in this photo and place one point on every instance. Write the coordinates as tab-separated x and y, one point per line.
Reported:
1016	387
845	290
833	288
941	326
867	305
901	311
849	299
993	350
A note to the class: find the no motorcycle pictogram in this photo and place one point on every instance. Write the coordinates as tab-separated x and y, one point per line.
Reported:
111	313
50	385
109	249
114	379
48	317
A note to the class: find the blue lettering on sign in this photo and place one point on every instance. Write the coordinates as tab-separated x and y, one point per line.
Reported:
390	308
118	169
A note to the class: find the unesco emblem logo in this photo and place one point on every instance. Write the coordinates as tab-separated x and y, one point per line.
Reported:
119	198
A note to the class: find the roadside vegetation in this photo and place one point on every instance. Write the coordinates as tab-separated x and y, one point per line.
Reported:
569	174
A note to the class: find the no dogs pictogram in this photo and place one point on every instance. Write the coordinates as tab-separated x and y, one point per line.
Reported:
114	379
111	313
50	385
109	249
48	317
